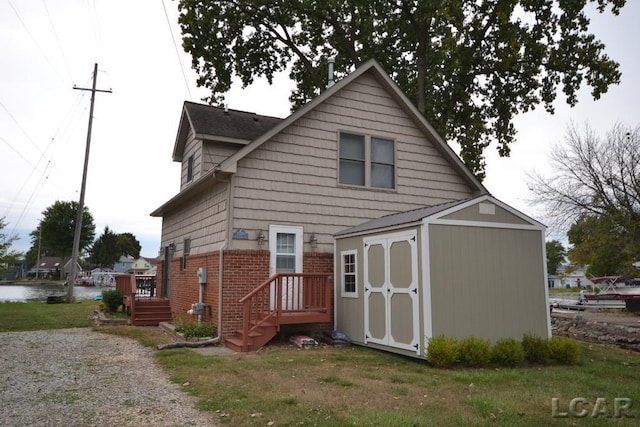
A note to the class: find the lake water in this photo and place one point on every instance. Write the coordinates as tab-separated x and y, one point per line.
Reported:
40	292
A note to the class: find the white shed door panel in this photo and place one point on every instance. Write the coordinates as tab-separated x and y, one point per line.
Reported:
391	291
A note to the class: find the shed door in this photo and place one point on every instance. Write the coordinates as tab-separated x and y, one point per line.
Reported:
391	291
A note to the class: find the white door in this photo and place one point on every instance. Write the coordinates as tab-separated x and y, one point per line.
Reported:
391	306
285	245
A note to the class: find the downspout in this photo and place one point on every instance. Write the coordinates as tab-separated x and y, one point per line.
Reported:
221	259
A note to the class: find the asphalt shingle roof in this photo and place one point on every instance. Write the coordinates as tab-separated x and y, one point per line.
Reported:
401	218
215	121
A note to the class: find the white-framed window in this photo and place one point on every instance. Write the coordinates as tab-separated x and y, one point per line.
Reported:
285	245
367	161
348	262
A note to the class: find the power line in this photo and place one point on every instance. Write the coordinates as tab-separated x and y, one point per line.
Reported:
36	43
55	33
175	46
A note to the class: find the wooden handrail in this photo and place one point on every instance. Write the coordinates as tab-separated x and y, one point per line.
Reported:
282	294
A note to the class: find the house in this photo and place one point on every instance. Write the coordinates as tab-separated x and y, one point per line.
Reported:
143	266
13	270
55	268
123	265
261	199
570	276
472	267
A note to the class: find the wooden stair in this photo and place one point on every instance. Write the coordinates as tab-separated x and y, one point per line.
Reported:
300	298
259	335
150	312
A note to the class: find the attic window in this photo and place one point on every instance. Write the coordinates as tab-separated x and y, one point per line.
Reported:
367	161
190	168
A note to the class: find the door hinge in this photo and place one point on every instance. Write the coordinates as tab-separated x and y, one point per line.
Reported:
414	290
413	238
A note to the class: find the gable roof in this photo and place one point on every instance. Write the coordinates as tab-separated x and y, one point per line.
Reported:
416	216
400	219
229	165
220	124
371	66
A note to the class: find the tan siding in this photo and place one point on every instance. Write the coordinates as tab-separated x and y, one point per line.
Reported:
472	213
215	153
350	311
292	179
487	282
202	219
192	147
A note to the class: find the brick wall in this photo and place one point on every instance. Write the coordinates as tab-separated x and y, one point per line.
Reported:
243	271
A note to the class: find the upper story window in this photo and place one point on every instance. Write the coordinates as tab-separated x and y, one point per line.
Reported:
190	168
367	161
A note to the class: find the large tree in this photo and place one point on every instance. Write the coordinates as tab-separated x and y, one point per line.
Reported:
556	254
595	190
57	227
109	247
470	66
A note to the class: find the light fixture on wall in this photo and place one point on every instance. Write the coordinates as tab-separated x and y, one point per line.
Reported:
172	247
313	240
260	238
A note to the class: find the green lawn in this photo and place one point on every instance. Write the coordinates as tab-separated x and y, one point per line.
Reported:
327	386
31	316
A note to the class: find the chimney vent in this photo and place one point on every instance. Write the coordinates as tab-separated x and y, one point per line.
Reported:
331	81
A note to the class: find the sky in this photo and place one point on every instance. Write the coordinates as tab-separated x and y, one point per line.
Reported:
47	47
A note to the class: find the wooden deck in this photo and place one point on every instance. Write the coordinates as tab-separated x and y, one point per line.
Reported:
140	302
284	299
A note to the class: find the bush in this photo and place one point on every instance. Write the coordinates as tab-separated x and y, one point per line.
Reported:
112	299
474	351
508	352
192	329
564	350
536	349
442	351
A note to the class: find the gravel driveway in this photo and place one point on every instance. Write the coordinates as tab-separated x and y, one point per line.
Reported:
78	377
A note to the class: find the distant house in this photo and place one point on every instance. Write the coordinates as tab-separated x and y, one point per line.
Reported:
143	266
261	199
123	265
55	268
569	276
14	270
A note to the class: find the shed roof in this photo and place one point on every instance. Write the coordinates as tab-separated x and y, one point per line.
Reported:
417	215
402	218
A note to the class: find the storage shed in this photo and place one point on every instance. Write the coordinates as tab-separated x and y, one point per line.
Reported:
471	267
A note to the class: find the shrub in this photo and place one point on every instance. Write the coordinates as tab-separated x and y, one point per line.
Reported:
442	351
536	349
474	351
192	329
112	299
564	350
508	352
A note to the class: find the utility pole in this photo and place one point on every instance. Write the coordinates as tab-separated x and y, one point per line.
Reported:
76	236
